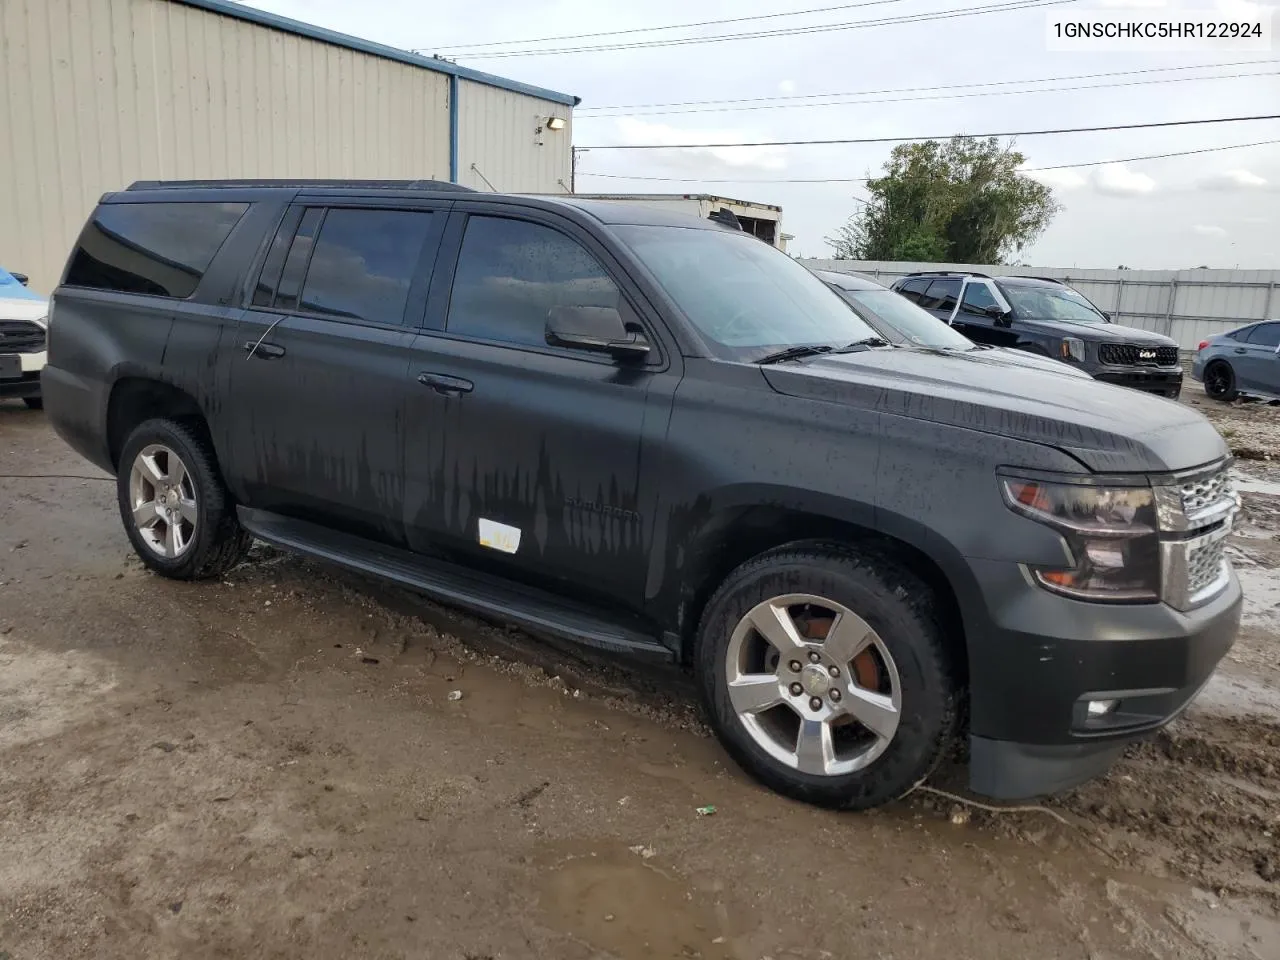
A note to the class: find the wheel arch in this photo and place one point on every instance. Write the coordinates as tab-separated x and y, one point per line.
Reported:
737	533
134	399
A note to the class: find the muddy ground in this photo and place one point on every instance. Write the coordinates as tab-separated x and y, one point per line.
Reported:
276	766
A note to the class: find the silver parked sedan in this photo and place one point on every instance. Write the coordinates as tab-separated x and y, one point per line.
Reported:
1245	361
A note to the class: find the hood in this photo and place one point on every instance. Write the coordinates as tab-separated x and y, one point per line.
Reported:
30	307
1109	429
1022	358
1097	332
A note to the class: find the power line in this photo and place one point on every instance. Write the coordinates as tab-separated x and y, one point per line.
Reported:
945	86
672	26
945	136
781	32
1060	166
938	96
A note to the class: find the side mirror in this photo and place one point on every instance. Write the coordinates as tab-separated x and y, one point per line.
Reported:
1107	315
1002	317
598	329
22	278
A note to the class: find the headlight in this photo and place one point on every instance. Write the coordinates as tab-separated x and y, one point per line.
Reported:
1072	349
1110	533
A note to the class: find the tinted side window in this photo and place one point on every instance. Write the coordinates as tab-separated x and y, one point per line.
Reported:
364	263
295	264
941	295
1265	335
162	249
977	298
912	289
511	273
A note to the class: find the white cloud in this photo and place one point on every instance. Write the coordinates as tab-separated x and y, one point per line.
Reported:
1135	4
1233	180
1207	231
1116	180
1059	179
641	132
786	86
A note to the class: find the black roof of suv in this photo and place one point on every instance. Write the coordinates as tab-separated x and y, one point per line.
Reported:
659	436
1048	317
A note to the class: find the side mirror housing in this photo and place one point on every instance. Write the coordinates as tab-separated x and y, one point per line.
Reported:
598	329
1107	314
1002	317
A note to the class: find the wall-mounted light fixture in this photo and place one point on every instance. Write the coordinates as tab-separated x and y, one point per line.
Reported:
555	123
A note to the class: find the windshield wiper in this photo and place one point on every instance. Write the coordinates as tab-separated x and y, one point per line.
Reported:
795	353
865	344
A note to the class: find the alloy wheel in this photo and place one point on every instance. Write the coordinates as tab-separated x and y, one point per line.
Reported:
162	497
813	684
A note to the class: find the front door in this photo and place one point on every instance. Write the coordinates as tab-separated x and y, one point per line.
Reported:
317	376
974	320
524	458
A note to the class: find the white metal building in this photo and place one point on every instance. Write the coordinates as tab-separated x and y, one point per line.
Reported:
95	94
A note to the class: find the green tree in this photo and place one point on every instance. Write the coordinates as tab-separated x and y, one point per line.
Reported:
958	201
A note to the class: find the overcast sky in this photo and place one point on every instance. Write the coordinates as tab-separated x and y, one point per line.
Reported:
1218	209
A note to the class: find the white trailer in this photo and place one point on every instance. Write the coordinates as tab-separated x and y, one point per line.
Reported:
762	220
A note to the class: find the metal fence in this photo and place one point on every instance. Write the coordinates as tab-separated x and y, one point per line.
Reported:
1187	305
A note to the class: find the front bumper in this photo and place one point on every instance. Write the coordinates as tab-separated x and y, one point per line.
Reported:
28	385
1042	657
1166	381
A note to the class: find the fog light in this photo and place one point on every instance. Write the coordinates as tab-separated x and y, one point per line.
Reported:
1100	708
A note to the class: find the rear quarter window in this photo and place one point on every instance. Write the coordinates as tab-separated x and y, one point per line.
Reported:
157	249
911	289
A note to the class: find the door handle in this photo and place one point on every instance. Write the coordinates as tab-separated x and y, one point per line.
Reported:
445	385
1241	350
267	351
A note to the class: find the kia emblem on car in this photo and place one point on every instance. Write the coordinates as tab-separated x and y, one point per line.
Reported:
1146	354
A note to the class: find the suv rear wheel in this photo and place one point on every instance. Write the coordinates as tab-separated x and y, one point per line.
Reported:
826	676
179	516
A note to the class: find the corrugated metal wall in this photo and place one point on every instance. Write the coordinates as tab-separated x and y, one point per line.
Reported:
1187	305
498	142
97	93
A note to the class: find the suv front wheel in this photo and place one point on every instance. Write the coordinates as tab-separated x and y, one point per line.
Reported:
826	675
175	508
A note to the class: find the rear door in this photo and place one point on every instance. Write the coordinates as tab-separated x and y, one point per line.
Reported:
941	296
523	458
1258	366
318	368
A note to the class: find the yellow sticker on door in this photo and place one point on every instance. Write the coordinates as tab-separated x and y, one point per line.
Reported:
499	536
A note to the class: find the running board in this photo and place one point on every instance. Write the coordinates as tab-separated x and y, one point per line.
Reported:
527	607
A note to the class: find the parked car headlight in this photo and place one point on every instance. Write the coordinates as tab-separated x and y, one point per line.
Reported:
1110	533
1072	349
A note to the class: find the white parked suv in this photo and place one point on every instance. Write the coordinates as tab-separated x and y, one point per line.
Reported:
24	323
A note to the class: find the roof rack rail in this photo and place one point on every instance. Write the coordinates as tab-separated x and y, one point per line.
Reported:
948	273
300	184
1048	280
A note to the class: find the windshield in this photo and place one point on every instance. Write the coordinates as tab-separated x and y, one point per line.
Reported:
906	322
741	293
1051	303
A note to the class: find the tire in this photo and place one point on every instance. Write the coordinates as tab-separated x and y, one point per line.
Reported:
203	539
34	403
865	769
1220	381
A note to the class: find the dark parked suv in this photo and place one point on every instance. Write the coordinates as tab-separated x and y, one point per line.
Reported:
1047	317
659	436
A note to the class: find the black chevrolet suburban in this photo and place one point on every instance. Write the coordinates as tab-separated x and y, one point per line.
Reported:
662	437
1047	317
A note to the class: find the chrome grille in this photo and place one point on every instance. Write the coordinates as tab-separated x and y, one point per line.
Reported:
1204	565
21	336
1204	492
1137	355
